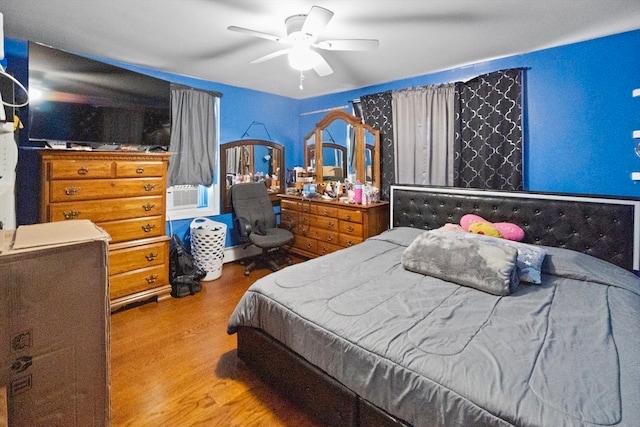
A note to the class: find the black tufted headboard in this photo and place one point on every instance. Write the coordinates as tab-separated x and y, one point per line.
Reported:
603	227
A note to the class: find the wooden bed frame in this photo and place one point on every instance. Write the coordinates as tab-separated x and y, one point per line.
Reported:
604	227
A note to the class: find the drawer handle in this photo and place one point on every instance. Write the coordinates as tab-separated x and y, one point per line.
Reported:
324	250
151	256
151	279
330	225
329	238
325	213
308	245
149	187
350	229
83	171
70	214
148	207
70	191
348	217
140	170
350	243
147	228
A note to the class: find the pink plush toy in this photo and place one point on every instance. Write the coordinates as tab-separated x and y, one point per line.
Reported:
506	229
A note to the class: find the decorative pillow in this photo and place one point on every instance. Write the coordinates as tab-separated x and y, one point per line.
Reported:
452	227
507	230
469	219
530	257
471	263
484	228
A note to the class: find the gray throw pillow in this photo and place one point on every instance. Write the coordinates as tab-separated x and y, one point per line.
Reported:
471	263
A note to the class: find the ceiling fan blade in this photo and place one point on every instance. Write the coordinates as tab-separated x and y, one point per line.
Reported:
317	18
348	44
258	34
270	56
322	67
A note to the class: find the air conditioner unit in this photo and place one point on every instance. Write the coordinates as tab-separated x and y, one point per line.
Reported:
182	197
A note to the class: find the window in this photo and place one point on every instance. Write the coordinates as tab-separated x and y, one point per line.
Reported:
195	124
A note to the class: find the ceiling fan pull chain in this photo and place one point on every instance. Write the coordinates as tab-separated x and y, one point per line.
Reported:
301	79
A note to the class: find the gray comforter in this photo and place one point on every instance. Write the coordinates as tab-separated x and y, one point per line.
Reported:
563	353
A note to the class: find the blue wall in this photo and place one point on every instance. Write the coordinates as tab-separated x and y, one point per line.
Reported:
579	113
578	122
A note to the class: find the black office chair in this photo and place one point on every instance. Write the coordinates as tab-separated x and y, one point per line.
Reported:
256	223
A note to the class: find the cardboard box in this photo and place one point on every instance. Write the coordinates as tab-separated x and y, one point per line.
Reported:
54	325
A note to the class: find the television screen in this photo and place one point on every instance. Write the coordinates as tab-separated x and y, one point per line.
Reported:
79	100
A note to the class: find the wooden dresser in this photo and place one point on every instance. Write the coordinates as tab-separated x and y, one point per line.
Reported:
125	194
324	226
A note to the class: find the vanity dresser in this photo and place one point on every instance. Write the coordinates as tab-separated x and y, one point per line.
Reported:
340	148
123	192
324	226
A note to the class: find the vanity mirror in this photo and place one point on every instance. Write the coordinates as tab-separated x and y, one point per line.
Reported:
342	147
248	160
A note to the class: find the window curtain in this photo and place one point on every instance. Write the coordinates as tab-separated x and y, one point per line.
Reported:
423	120
376	111
194	118
488	132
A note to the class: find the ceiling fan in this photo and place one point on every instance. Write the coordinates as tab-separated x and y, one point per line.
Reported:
302	36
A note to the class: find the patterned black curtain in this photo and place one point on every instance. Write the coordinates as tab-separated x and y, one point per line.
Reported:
488	132
376	112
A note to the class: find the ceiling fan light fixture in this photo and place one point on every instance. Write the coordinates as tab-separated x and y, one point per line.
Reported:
302	58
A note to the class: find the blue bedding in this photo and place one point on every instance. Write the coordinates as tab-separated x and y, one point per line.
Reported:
432	352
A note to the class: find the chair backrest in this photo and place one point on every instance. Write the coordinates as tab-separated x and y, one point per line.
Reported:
251	201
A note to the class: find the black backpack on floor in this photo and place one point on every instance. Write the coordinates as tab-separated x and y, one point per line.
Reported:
184	276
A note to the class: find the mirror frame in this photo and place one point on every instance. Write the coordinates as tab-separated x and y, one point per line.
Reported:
360	145
225	201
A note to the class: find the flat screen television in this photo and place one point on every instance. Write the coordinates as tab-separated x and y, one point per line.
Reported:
81	101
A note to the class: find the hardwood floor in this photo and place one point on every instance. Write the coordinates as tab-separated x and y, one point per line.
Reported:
173	364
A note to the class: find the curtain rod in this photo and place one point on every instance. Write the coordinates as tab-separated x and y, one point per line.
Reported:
342	107
184	87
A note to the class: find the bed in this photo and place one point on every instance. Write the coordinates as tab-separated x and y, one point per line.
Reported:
360	339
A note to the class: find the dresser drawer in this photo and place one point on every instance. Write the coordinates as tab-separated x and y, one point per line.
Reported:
289	205
123	260
327	236
106	210
325	211
65	191
137	281
288	219
131	169
326	248
305	243
304	219
132	229
305	230
351	228
347	240
350	215
81	169
327	223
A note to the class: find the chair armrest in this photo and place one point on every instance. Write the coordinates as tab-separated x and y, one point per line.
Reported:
244	227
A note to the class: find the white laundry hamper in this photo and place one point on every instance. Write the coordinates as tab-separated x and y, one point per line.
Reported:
207	246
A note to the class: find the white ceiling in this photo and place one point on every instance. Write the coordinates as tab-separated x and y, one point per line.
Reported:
190	37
